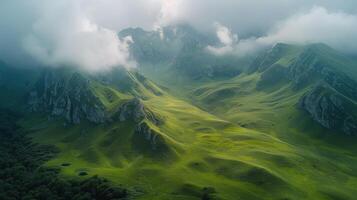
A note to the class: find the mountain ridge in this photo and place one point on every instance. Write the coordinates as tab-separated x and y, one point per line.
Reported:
258	134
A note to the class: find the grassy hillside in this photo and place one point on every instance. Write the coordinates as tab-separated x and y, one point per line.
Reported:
231	138
268	94
210	157
210	154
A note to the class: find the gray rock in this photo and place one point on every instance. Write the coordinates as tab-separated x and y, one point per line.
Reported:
68	96
136	111
330	109
149	134
154	138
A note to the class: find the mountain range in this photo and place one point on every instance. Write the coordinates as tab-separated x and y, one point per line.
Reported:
186	124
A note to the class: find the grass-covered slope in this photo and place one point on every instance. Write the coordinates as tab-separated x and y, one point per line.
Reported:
275	84
250	143
247	137
208	155
302	95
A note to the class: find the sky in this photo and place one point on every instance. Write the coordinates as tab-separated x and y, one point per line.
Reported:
83	33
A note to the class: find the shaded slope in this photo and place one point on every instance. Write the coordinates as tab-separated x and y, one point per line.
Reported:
254	143
78	96
15	83
166	148
282	77
23	175
177	54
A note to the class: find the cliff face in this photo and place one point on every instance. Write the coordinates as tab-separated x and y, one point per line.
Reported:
309	68
151	138
135	110
330	109
331	93
331	101
66	96
71	95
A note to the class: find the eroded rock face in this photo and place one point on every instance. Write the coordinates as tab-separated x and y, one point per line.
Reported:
308	68
305	69
332	100
136	111
330	109
66	96
153	137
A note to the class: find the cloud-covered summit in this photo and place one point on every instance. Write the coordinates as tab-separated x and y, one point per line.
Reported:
318	25
83	33
64	35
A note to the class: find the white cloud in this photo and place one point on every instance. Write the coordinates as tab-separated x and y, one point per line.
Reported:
245	17
171	11
83	32
63	35
227	39
336	29
318	25
225	35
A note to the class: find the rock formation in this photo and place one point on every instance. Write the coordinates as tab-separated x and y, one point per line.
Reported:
330	109
66	96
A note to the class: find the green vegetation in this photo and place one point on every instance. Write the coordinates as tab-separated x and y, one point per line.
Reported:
241	137
208	153
23	177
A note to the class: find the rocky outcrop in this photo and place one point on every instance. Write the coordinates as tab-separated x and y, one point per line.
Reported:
146	136
68	96
309	67
154	139
136	111
332	100
330	109
340	82
304	66
305	69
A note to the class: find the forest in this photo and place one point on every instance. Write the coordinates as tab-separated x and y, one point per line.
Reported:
23	176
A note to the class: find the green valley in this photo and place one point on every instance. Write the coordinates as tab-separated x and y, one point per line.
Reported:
178	100
254	135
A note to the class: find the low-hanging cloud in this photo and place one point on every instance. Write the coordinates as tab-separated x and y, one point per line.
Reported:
63	35
318	25
337	29
83	33
227	39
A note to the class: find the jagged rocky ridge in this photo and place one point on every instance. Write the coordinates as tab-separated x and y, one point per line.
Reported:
156	140
332	95
70	96
331	109
66	96
136	111
182	49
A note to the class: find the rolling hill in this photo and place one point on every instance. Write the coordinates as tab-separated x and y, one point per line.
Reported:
314	78
280	128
